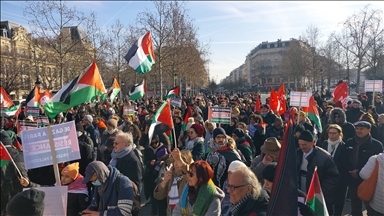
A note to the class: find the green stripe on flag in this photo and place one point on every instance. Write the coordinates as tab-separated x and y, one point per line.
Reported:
4	162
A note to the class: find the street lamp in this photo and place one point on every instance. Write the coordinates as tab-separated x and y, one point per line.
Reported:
37	73
322	84
122	89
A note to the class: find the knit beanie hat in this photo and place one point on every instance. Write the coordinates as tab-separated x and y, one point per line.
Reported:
72	170
269	171
238	132
306	136
199	129
217	131
29	202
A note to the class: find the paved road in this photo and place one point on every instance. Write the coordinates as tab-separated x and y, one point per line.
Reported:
146	210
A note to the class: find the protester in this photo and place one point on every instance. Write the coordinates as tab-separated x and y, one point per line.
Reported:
338	116
276	130
246	194
27	203
195	141
380	128
113	191
267	115
91	130
358	150
308	157
209	127
379	104
200	196
355	112
243	145
256	131
222	153
375	205
174	179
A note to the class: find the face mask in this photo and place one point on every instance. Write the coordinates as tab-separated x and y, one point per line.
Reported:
96	183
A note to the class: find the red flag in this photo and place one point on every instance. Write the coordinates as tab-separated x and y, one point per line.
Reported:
282	104
45	97
5	100
17	145
273	100
340	94
257	106
18	111
5	157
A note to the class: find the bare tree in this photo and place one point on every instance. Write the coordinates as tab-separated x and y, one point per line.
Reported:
51	21
364	28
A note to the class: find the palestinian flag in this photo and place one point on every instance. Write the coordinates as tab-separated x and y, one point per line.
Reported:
313	113
5	100
137	91
283	199
187	114
11	111
33	99
315	198
173	92
45	97
81	89
141	56
114	90
162	121
5	157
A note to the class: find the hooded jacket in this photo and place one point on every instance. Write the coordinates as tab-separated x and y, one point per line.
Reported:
117	199
347	128
354	114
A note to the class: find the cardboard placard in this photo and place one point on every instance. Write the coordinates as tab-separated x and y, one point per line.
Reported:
33	111
42	121
300	99
128	110
55	200
373	85
37	150
219	115
23	126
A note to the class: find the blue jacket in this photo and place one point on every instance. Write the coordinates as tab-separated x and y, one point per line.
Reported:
117	200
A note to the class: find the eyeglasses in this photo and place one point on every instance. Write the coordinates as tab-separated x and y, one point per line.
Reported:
220	137
115	143
336	116
191	174
233	187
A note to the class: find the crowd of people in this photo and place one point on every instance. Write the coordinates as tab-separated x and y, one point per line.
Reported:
205	168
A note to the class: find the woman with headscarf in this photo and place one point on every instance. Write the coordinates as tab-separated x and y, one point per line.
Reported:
195	141
113	191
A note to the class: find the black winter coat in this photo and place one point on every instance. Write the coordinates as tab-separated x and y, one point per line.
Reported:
326	169
353	115
76	203
252	206
130	166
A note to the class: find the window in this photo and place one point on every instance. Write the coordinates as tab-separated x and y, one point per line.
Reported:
283	44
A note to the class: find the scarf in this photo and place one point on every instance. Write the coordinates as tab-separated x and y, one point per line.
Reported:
235	207
355	153
216	147
155	149
123	152
205	195
191	143
77	186
332	146
112	131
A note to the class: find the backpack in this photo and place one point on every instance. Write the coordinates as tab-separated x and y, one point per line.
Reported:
136	195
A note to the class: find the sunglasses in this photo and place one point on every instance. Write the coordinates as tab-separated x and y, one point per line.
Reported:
153	143
191	174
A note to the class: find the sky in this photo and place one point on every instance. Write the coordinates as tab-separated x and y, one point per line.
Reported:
231	28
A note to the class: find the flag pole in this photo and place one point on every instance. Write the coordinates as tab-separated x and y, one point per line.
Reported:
13	162
173	128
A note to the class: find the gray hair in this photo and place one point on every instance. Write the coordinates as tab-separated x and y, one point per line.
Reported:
127	137
381	116
251	179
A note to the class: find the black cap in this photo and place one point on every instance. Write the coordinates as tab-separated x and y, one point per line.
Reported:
269	171
299	128
363	124
29	202
306	136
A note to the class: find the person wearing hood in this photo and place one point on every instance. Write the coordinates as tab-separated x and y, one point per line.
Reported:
355	112
243	117
337	116
127	162
110	132
335	146
200	196
77	199
85	147
195	142
243	145
379	105
93	132
113	191
209	127
222	153
247	197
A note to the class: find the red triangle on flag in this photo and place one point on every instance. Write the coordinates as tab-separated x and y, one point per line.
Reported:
5	100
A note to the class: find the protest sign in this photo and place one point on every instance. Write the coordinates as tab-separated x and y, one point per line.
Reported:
37	150
373	85
42	121
219	115
300	99
128	110
55	201
22	126
33	111
176	102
